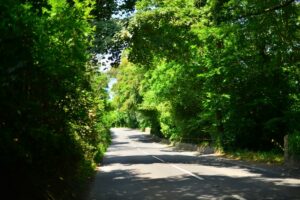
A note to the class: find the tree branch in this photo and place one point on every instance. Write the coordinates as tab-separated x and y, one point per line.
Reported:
266	10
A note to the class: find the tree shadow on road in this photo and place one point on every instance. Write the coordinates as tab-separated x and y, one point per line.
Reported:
209	161
141	138
219	179
128	184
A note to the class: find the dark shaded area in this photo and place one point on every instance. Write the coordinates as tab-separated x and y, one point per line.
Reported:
120	143
141	138
44	111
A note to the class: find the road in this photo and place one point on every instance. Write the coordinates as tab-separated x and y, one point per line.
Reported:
137	168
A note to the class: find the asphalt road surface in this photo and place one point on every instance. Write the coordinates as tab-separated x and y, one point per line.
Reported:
137	168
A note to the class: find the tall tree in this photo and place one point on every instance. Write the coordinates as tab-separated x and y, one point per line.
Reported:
224	67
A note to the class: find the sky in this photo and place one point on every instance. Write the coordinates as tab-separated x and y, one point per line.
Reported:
103	59
112	81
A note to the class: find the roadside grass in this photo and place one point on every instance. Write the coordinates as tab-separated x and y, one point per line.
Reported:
268	157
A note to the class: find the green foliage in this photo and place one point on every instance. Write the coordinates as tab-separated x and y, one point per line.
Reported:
294	143
260	156
52	100
148	117
220	70
161	29
250	59
127	97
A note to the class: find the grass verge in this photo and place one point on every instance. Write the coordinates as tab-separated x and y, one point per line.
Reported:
260	156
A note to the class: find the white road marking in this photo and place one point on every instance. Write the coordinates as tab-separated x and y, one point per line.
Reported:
238	197
175	166
188	172
158	159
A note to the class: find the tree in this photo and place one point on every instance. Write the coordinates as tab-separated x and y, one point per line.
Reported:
127	92
222	68
51	117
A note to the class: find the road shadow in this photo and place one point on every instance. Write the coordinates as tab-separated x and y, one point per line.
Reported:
120	143
203	159
209	161
122	180
121	184
141	138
